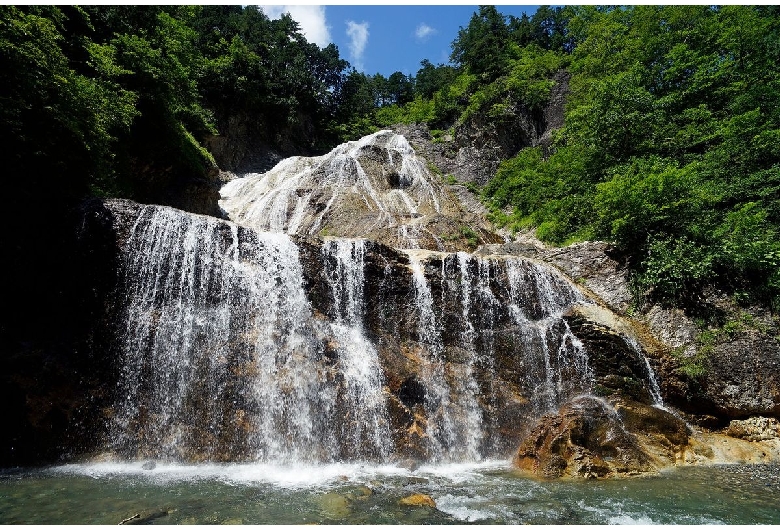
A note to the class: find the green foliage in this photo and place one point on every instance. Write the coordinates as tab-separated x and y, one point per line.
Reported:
526	83
675	268
54	118
430	79
450	100
418	111
482	47
695	366
670	148
649	195
471	237
542	193
671	142
121	98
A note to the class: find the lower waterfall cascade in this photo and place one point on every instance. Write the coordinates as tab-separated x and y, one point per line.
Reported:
291	346
229	354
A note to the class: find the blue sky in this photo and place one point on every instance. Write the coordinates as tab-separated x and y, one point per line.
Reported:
387	38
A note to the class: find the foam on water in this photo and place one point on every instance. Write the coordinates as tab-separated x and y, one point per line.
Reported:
285	476
107	492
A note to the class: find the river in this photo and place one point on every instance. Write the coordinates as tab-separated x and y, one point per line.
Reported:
485	493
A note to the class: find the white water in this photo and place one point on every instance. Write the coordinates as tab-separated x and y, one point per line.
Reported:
375	185
220	351
654	388
285	476
225	358
364	419
488	493
538	300
442	436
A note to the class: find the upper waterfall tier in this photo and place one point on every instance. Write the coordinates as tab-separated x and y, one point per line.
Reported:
375	188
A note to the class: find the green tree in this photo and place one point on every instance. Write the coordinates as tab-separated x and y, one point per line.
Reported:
400	88
483	46
430	79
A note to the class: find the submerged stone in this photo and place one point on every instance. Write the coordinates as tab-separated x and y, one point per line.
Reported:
418	499
334	505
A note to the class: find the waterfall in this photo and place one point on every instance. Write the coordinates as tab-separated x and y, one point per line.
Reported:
365	423
654	387
553	361
241	344
220	352
375	186
438	404
556	361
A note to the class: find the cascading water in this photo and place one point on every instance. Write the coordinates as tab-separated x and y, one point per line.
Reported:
247	345
445	434
653	387
376	186
365	423
557	363
497	296
221	357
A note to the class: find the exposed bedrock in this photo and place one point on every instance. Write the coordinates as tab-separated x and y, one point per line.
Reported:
337	316
382	353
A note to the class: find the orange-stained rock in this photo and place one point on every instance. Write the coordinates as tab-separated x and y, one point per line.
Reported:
586	438
418	499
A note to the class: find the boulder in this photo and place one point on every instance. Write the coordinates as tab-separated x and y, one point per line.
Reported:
418	499
587	439
755	429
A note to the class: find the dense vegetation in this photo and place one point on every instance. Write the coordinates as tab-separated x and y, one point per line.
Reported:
118	101
670	149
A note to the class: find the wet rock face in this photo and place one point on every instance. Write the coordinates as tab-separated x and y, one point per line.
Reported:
586	438
376	188
462	351
733	378
618	367
737	377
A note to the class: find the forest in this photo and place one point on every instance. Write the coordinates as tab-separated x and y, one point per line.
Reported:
670	147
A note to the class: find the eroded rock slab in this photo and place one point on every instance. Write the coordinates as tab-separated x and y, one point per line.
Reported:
587	439
375	188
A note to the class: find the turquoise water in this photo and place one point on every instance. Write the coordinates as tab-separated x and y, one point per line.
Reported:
108	493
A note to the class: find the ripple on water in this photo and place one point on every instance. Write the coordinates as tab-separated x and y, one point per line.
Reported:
487	493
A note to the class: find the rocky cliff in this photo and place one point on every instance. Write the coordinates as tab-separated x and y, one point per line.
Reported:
474	148
376	188
360	327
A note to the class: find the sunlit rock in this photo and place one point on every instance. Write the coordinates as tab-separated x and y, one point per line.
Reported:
418	499
375	188
586	438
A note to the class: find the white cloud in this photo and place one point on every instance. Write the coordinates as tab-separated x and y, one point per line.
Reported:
311	19
358	34
424	31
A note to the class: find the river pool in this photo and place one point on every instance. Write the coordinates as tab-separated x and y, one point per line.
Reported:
490	493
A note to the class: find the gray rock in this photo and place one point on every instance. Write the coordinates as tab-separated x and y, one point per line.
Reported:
755	429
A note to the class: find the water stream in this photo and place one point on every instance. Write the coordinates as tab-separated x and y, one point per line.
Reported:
339	493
